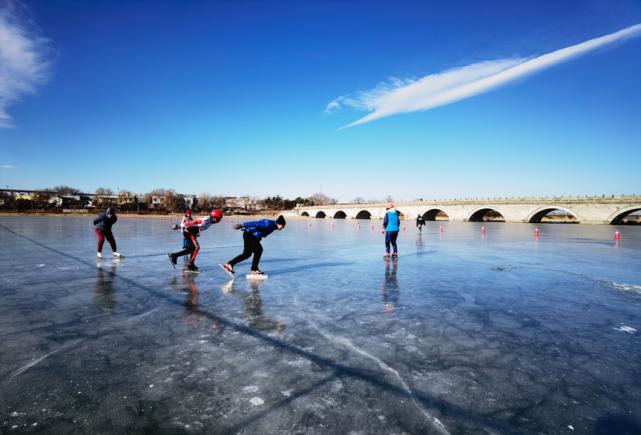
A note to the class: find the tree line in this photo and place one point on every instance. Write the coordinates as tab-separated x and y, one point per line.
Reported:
159	200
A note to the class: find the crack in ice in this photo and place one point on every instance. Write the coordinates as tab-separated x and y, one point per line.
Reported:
437	425
33	363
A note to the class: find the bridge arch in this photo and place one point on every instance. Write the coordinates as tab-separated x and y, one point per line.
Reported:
538	214
479	213
320	215
305	214
401	215
340	214
430	213
617	217
364	214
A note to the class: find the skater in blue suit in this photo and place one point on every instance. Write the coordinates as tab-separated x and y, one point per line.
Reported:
253	232
391	224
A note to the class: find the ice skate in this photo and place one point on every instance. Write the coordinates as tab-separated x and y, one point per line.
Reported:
171	260
117	255
192	268
394	256
227	268
386	256
256	274
99	257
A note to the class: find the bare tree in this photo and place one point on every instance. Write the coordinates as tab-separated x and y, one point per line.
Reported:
218	202
66	190
204	200
159	192
320	199
388	198
171	200
100	196
333	201
358	200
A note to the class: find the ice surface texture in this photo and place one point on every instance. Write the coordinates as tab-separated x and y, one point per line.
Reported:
465	334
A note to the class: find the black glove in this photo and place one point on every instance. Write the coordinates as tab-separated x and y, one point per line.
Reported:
238	226
175	227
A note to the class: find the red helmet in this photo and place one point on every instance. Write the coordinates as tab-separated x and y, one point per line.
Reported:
389	206
216	214
188	212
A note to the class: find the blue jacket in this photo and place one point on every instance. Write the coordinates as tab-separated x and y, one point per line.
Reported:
260	229
391	221
103	223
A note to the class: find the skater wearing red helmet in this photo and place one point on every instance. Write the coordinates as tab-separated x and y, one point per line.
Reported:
191	230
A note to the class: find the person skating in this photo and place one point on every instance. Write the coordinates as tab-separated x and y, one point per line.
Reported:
191	230
186	218
253	232
419	223
391	223
103	223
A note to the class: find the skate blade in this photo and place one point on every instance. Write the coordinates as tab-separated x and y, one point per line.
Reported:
191	271
256	276
230	274
172	263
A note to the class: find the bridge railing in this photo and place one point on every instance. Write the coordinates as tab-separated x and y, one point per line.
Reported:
625	199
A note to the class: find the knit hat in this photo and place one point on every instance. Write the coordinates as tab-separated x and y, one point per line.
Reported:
281	220
389	206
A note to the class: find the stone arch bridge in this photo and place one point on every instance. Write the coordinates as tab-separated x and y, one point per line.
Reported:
587	210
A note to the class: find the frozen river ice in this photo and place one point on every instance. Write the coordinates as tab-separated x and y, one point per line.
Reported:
464	334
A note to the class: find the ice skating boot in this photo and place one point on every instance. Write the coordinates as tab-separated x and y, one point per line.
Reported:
228	267
257	272
395	256
192	267
172	260
99	257
117	255
386	255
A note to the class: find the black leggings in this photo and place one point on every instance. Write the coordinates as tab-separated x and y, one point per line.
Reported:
252	245
192	246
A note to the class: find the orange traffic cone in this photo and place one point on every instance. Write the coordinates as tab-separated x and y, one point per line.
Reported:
332	224
441	228
403	227
536	232
483	230
616	235
359	225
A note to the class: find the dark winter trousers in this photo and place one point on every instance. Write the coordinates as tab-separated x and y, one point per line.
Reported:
390	237
252	245
192	247
102	235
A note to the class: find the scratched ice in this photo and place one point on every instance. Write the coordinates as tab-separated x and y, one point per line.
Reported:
463	334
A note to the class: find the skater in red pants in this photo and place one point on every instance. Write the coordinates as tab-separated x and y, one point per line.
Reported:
191	230
103	223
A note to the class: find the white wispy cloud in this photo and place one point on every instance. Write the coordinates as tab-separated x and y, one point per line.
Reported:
8	166
24	60
334	105
411	95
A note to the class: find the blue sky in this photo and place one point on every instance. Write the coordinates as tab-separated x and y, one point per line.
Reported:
231	98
